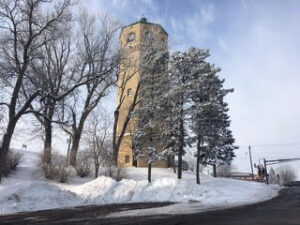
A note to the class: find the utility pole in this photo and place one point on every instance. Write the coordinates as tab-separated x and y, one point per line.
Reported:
266	172
251	164
275	161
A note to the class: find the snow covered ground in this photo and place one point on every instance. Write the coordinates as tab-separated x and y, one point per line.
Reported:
27	190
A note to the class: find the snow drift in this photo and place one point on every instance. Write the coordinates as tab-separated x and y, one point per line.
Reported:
34	193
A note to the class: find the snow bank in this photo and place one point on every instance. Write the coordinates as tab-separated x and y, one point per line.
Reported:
37	196
34	193
211	192
104	190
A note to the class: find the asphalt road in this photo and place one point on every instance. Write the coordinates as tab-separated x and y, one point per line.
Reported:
282	210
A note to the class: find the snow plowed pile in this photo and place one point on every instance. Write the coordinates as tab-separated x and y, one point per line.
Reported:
36	196
27	191
104	190
212	191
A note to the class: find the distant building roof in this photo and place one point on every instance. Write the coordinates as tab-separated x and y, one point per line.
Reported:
239	174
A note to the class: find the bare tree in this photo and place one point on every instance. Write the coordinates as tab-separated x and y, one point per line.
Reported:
98	138
83	164
98	61
1	120
52	72
192	162
224	170
23	23
58	73
122	87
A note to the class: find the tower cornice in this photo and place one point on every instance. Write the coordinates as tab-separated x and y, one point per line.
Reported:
144	21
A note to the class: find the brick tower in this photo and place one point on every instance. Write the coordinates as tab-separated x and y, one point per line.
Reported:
133	40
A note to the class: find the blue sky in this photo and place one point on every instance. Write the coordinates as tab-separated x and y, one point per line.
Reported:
256	44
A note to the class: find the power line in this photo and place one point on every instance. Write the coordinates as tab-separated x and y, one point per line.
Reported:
271	145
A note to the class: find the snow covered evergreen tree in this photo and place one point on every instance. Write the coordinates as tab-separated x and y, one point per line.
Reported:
209	120
190	93
273	178
180	73
150	112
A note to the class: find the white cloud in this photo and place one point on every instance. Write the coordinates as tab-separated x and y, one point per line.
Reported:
256	45
263	108
207	14
222	44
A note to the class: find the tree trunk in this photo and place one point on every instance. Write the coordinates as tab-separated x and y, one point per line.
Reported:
174	168
74	149
96	170
46	121
77	132
6	144
134	163
118	140
179	174
180	153
198	163
47	142
215	170
149	172
6	140
69	148
181	145
114	139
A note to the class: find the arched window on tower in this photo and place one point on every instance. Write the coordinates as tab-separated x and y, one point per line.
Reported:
148	36
131	37
129	92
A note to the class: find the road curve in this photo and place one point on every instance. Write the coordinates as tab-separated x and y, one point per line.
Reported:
281	210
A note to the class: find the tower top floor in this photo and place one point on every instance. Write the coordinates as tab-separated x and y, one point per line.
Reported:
141	32
143	20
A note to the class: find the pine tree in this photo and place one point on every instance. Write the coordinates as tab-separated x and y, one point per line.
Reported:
209	120
272	176
181	64
153	82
